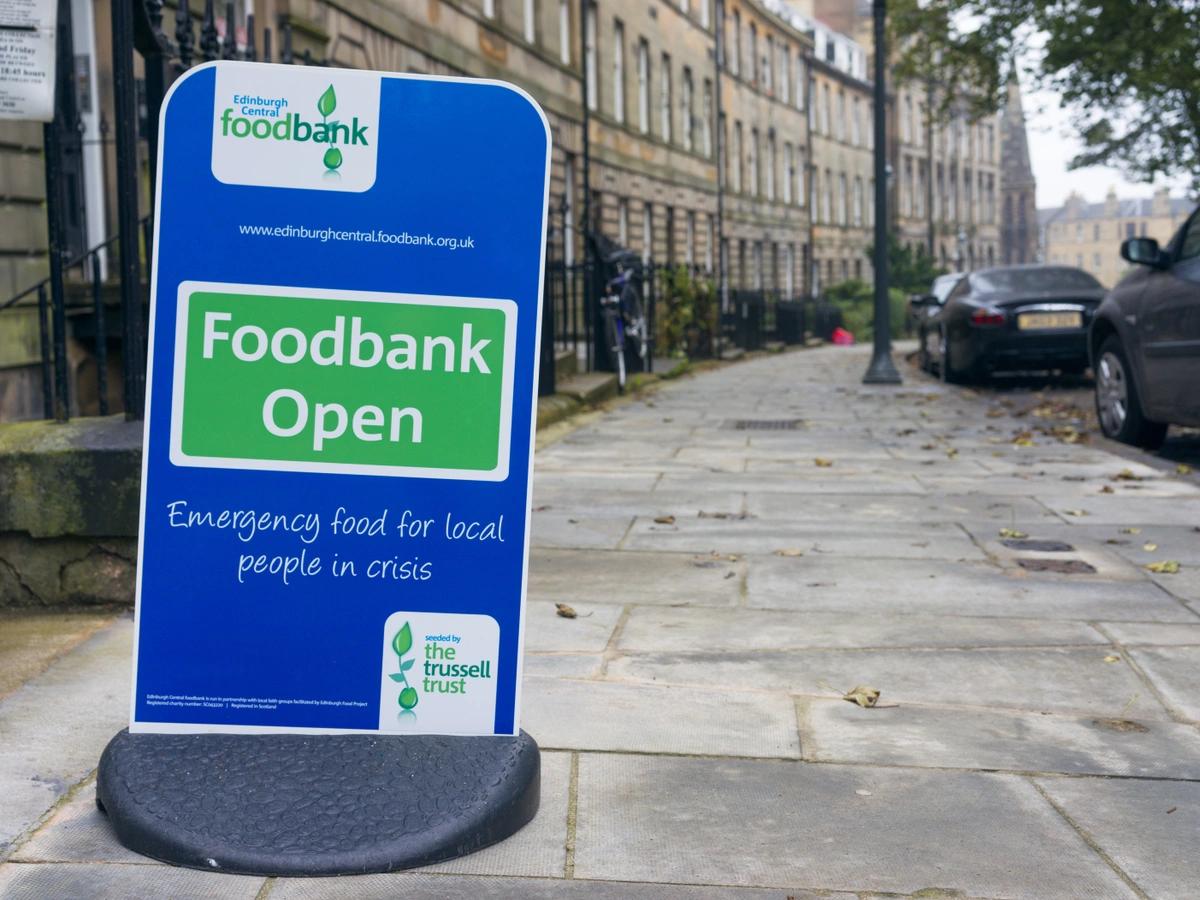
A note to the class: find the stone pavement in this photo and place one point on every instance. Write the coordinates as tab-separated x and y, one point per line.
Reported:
1036	736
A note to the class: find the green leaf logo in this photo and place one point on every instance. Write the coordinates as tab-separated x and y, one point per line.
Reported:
402	642
328	102
333	158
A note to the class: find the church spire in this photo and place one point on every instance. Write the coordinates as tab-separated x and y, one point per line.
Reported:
1018	187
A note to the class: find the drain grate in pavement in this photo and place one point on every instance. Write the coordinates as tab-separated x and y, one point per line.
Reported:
1037	546
766	424
1060	566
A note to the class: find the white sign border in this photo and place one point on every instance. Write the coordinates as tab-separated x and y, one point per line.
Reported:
150	726
180	458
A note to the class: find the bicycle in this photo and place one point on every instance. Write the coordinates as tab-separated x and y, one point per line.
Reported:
626	331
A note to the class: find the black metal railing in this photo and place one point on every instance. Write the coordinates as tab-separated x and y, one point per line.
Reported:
97	300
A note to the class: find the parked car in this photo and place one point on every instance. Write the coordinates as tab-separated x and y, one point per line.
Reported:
1145	341
1011	318
921	306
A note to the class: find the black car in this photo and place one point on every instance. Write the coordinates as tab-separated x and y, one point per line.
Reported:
1145	341
1011	318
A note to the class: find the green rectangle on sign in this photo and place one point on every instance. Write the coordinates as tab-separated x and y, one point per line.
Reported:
336	381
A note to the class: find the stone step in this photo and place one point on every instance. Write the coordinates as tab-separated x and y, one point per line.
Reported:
589	388
566	364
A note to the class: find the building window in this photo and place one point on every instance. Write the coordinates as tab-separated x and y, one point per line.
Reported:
530	20
815	198
785	74
855	124
789	173
739	156
843	204
685	103
704	14
623	222
665	98
906	121
755	186
772	162
569	210
647	232
789	270
710	241
589	54
671	235
827	111
706	134
618	70
564	32
768	63
758	265
840	122
735	45
858	202
689	246
752	56
800	193
827	199
643	77
489	8
801	81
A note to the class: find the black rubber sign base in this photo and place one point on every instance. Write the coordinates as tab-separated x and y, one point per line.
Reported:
315	805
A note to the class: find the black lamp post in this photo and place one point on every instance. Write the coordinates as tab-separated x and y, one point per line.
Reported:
881	370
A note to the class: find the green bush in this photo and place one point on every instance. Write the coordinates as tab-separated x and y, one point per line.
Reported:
686	315
856	300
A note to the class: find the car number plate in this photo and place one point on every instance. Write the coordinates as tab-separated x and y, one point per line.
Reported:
1030	321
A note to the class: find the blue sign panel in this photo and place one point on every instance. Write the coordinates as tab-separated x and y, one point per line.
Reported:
344	332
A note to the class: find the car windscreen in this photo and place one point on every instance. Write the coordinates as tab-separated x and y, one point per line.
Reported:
1019	281
943	286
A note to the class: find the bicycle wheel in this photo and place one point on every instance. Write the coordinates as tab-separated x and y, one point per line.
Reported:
616	346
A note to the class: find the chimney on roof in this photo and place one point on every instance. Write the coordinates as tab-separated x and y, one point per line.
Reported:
1110	203
1073	205
1161	204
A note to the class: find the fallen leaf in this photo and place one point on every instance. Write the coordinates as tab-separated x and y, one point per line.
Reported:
951	453
1166	567
1112	659
1012	533
1126	475
1117	542
1107	489
1172	809
822	462
541	508
1075	512
864	696
789	551
1183	469
567	612
995	413
665	520
1131	531
1149	546
929	446
729	575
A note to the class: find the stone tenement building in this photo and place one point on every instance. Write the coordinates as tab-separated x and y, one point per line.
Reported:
947	182
1089	235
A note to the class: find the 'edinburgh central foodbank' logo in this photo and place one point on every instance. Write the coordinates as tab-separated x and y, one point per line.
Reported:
262	123
295	127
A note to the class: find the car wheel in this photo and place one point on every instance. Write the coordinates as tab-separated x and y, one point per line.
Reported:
1118	403
950	375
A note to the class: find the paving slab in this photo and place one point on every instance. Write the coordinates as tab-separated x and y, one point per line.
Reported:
902	508
1064	680
54	727
561	529
588	632
619	577
869	587
671	629
978	738
563	665
1175	672
1148	828
1153	633
445	887
788	483
597	715
31	639
932	541
851	828
637	503
97	881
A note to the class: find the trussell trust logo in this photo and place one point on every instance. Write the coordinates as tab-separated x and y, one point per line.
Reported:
289	126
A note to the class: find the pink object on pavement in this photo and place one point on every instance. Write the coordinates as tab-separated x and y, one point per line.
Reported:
842	337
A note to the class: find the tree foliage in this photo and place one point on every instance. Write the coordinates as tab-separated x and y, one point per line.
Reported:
1126	69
